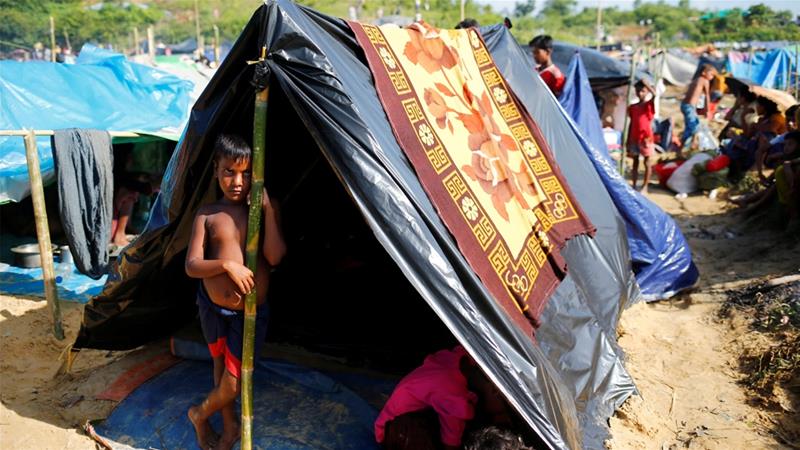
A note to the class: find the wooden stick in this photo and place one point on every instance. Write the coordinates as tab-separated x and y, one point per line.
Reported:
151	44
216	45
627	117
52	39
252	249
137	49
43	232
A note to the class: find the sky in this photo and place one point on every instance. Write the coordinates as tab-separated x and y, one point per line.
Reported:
792	5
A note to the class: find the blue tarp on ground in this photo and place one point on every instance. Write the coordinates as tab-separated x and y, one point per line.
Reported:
770	69
71	285
102	91
662	259
295	408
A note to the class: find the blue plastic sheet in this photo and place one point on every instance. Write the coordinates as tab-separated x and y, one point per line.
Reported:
102	91
294	408
771	69
71	285
662	259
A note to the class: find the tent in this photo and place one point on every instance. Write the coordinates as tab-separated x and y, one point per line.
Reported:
661	256
770	69
372	274
124	97
672	69
604	72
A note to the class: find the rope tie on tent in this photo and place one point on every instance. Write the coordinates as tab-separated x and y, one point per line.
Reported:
261	71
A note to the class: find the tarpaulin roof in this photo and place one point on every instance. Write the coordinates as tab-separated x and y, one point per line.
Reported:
102	91
770	69
604	72
661	256
565	385
672	69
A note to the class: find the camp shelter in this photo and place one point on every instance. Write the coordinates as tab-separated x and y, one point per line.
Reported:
770	69
671	68
102	91
604	71
662	259
372	275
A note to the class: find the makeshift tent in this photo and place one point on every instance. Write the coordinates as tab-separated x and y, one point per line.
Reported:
604	72
102	91
770	69
672	69
662	259
365	269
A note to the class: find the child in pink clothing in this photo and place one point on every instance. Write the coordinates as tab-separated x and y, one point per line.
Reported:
431	406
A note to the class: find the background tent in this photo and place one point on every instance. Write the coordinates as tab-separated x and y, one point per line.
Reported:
672	69
661	256
770	69
102	91
369	259
604	72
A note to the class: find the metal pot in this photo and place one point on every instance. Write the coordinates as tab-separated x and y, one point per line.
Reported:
27	256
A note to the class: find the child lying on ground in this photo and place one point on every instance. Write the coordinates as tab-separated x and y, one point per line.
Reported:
431	406
216	256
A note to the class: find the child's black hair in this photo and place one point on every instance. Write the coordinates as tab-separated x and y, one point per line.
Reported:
790	112
639	85
231	146
493	438
708	68
542	42
467	23
770	107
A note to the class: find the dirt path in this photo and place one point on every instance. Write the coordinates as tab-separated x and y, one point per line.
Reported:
684	358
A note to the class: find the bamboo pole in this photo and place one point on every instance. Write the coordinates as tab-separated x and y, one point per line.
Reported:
797	71
252	249
43	232
463	9
137	48
151	44
52	39
627	117
197	36
66	40
216	45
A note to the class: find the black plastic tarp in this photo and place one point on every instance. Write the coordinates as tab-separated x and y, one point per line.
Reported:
565	387
604	71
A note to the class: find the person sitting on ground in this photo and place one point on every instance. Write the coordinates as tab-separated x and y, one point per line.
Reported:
431	406
542	48
467	23
743	149
697	97
769	151
216	256
741	113
782	182
493	438
641	140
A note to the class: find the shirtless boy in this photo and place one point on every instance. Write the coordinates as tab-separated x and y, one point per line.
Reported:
216	256
700	86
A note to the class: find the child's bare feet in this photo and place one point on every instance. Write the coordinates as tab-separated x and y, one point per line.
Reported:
207	439
230	436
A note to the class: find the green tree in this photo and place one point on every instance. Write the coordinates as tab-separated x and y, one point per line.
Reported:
522	9
559	8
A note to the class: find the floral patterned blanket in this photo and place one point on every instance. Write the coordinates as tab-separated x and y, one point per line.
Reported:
480	157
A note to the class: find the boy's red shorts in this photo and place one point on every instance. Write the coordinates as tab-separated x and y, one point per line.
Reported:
224	329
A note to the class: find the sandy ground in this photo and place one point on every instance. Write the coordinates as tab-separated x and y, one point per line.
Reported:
683	358
41	407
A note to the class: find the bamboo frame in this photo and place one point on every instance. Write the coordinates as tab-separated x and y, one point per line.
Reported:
43	232
252	249
627	117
